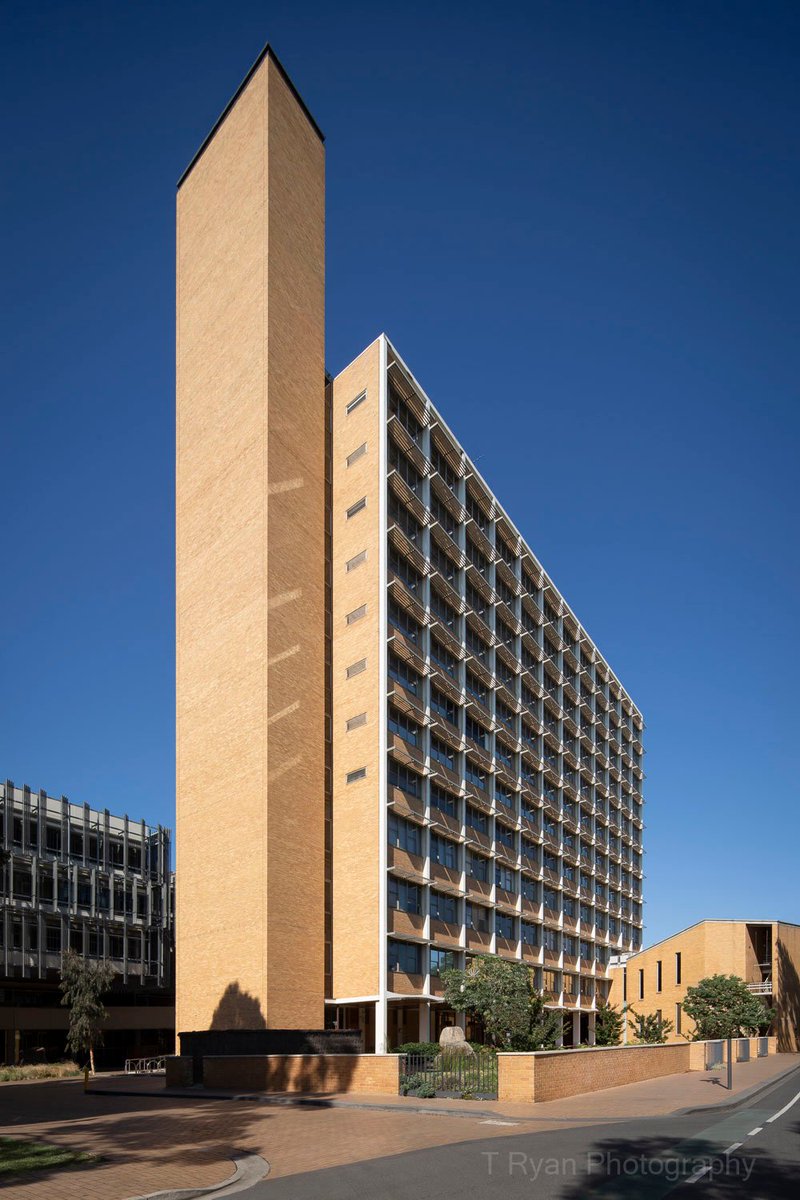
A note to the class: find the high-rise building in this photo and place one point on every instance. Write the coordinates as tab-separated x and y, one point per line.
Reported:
397	745
77	877
487	763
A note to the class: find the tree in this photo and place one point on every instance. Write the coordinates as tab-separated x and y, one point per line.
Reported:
82	985
503	996
609	1024
721	1006
649	1027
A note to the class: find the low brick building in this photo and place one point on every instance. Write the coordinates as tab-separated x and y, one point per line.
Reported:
765	954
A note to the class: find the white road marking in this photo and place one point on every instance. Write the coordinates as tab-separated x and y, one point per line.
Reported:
785	1108
757	1129
490	1121
699	1174
731	1149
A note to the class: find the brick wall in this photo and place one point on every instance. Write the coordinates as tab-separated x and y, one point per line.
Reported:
554	1074
367	1074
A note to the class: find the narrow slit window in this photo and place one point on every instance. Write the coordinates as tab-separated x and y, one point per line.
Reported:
356	561
357	454
356	668
357	721
354	776
356	614
353	405
357	507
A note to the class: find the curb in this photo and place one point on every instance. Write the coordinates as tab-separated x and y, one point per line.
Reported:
250	1168
749	1094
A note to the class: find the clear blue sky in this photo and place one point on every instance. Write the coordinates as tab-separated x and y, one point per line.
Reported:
578	223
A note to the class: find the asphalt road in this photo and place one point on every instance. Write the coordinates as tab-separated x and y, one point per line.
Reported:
752	1150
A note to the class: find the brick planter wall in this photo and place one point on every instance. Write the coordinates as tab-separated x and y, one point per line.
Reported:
368	1074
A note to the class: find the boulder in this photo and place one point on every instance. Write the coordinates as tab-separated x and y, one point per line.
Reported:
452	1041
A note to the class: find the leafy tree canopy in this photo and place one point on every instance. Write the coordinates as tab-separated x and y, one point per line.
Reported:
609	1024
82	984
502	994
721	1006
649	1027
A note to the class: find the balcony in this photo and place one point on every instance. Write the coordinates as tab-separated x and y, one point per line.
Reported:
764	988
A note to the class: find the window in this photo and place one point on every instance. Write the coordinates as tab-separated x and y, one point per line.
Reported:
406	676
400	619
399	409
530	889
474	776
53	840
442	753
530	934
356	561
477	733
404	956
505	796
356	454
678	1017
550	897
443	467
477	820
354	776
404	467
404	834
444	658
551	982
475	687
504	925
678	967
477	917
355	722
404	896
443	908
444	852
550	940
53	939
658	975
443	706
360	398
641	984
443	514
504	878
569	908
404	778
357	507
404	519
443	800
356	614
442	960
477	867
404	727
505	835
356	668
403	570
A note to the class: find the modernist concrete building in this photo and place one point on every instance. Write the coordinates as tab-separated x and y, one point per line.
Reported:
487	761
73	876
765	954
397	745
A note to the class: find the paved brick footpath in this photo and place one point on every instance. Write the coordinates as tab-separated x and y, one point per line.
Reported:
151	1141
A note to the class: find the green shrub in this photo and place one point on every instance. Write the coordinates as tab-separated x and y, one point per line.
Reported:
427	1048
61	1070
417	1085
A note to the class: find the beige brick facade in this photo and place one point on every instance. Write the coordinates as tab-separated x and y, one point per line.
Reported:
250	567
765	954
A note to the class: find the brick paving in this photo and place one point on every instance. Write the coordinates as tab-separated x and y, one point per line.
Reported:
152	1141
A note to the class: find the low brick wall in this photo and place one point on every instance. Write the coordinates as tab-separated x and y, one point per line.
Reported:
179	1071
367	1074
553	1074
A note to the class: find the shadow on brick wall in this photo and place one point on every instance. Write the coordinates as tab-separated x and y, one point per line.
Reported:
238	1010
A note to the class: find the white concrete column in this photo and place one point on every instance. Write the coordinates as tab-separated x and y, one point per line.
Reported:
576	1028
381	1025
592	1028
424	1021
